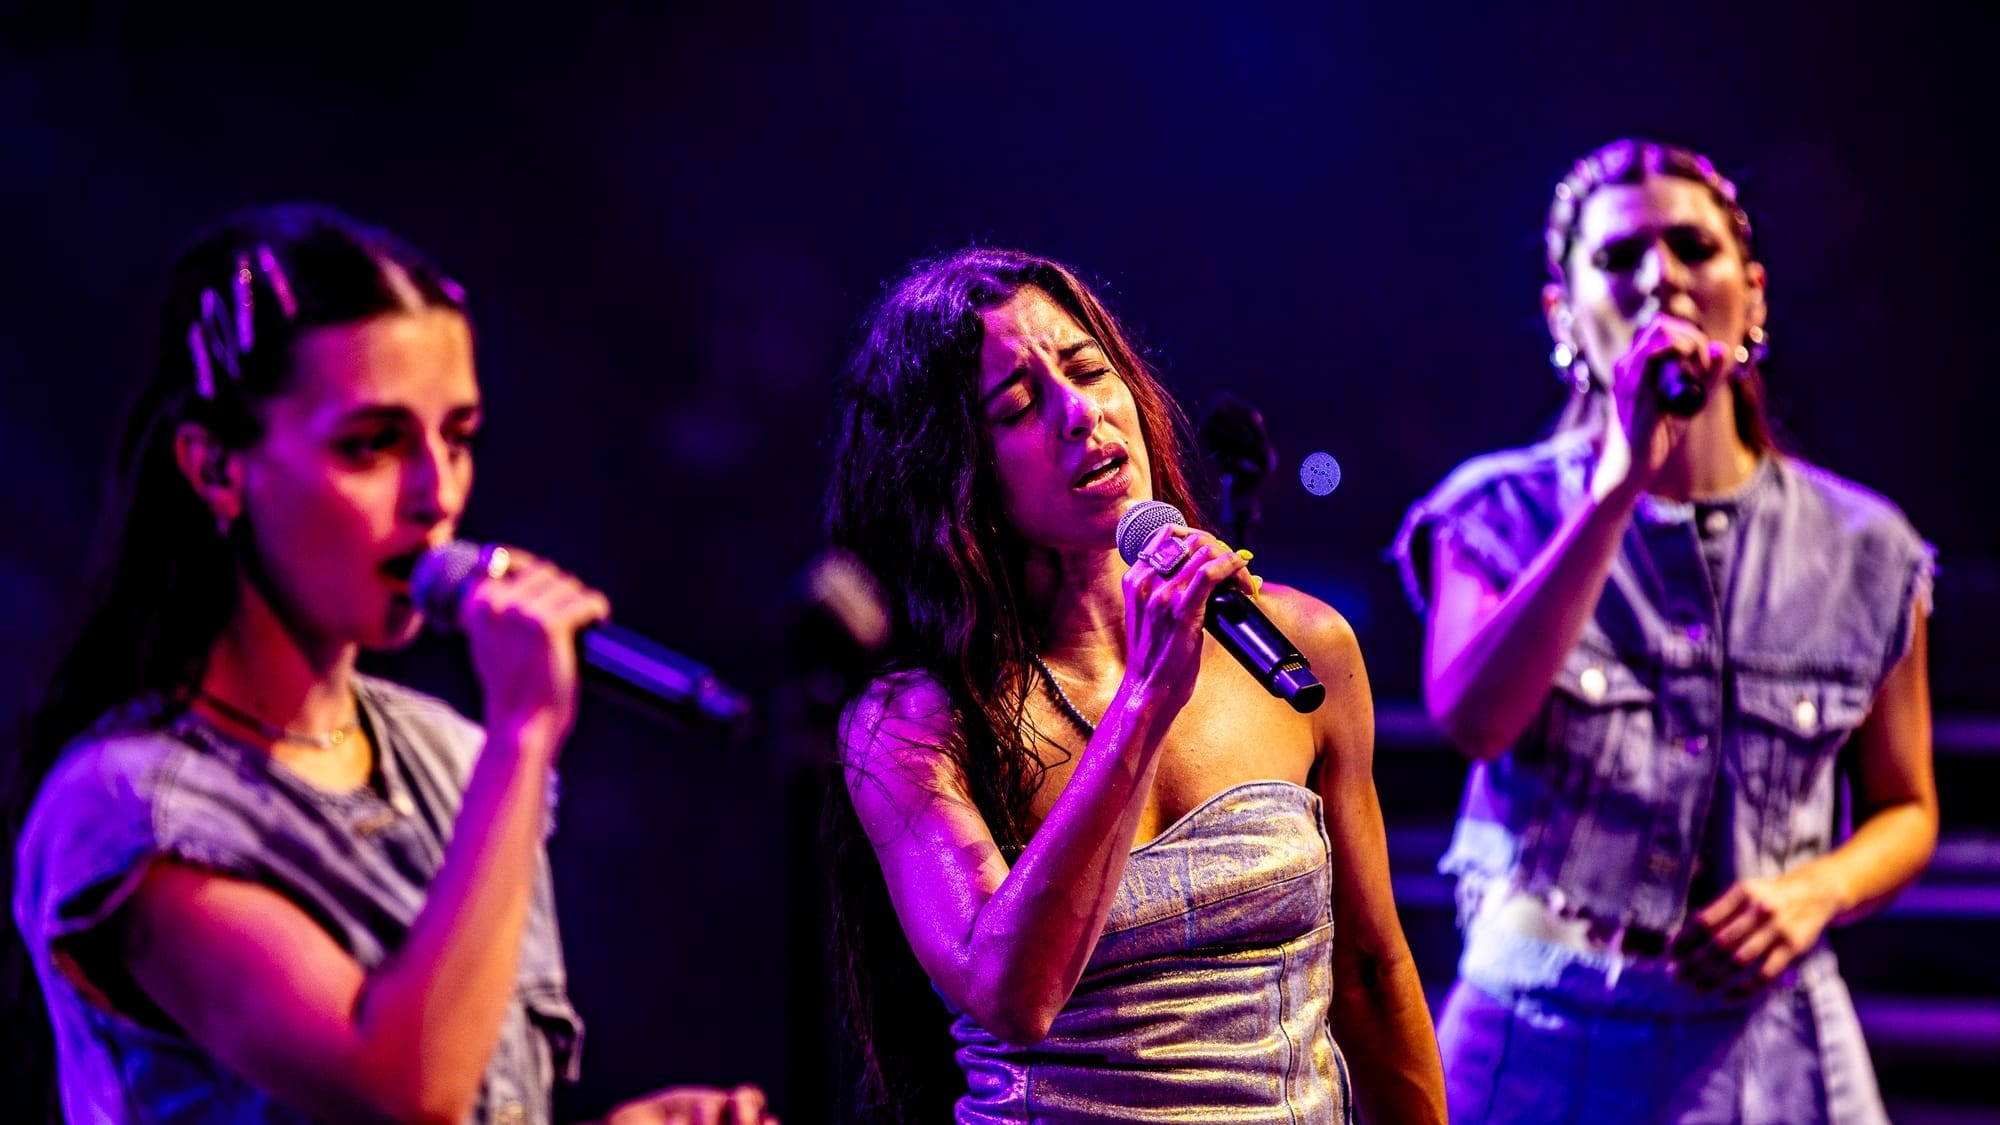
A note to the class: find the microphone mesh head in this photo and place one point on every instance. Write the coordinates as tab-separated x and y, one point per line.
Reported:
439	579
1139	523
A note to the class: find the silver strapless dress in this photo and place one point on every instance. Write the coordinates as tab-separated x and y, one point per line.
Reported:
1206	999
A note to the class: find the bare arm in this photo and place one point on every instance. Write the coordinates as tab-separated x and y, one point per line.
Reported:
1379	1014
1490	657
259	984
1008	946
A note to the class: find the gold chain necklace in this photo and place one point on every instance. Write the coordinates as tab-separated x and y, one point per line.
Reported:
271	732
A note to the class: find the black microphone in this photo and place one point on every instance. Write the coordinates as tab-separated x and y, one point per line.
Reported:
1680	390
659	680
1232	617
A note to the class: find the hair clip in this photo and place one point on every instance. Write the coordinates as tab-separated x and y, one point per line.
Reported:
246	311
280	287
209	340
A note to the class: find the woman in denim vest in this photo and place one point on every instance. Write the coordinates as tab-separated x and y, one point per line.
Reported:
257	885
1657	637
1103	842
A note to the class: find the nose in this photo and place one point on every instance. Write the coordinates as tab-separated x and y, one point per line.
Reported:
1661	272
1080	412
435	483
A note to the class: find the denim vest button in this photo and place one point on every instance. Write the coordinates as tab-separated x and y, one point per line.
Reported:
1696	743
512	1113
1716	522
1592	683
1696	632
1807	714
1661	865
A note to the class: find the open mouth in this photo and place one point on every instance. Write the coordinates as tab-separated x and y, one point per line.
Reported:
399	567
1103	469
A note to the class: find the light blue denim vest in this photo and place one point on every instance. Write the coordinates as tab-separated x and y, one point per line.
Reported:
1690	738
138	788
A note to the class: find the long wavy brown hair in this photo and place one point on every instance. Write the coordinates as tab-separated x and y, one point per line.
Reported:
915	498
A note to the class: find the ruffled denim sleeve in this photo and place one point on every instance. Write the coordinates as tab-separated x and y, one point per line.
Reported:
96	825
1495	510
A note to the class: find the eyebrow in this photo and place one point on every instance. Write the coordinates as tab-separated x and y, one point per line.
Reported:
1066	353
387	413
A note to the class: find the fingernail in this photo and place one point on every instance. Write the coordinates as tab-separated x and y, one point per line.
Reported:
1246	554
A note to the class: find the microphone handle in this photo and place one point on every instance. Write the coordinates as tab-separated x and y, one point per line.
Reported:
659	680
1257	644
1681	392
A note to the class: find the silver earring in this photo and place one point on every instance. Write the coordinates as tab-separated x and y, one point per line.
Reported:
1570	367
1756	345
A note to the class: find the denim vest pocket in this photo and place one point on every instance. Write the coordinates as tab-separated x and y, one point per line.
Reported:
1599	801
1792	726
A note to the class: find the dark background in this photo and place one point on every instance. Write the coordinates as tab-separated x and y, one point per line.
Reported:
671	223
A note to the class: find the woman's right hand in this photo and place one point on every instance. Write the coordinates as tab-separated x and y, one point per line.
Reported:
1165	602
1650	434
521	629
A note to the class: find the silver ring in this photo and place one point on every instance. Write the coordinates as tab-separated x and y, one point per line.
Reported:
1173	562
495	561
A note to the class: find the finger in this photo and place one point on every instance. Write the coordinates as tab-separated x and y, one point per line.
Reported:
746	1105
1748	974
1208	567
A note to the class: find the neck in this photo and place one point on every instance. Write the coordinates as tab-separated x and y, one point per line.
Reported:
1081	597
267	666
1711	459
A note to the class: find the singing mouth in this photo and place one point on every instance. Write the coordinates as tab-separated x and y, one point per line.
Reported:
399	567
1114	459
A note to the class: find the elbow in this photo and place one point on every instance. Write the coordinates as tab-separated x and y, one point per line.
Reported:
1467	729
408	1098
1014	1021
1011	1010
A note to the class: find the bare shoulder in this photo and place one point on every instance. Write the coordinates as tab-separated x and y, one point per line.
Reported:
899	709
896	742
1320	631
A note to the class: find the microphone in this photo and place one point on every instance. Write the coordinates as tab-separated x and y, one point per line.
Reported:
1232	617
657	679
1680	390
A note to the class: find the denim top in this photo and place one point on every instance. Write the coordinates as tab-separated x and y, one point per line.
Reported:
151	781
1689	739
1206	999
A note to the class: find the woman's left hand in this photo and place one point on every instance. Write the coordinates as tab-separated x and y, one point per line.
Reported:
1746	939
694	1105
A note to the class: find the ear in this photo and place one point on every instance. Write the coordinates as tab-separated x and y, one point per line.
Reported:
1755	277
1555	310
213	470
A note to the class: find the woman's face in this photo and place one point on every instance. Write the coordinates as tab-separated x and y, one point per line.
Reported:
1660	246
1067	446
364	463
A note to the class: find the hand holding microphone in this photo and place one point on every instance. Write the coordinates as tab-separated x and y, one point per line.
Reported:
508	602
1230	613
